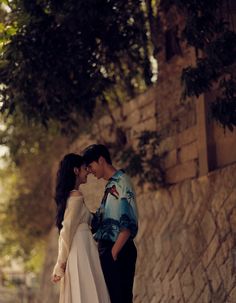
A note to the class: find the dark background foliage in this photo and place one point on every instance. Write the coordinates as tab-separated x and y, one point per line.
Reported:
65	55
210	29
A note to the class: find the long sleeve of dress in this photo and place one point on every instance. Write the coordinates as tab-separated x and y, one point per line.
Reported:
72	218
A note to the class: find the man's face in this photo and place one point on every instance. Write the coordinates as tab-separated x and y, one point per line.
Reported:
96	168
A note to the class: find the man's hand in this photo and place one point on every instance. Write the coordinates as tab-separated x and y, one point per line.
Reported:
120	242
114	254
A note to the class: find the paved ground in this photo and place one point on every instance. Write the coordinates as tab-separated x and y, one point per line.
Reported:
8	295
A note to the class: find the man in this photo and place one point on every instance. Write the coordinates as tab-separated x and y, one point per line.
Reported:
116	224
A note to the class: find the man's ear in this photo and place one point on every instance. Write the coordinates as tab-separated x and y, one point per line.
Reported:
101	160
76	171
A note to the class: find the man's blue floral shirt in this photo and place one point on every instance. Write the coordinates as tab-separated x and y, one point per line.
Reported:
118	209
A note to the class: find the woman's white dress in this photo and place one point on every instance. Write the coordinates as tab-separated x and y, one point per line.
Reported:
82	281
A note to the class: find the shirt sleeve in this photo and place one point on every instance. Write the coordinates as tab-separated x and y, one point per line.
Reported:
69	226
128	210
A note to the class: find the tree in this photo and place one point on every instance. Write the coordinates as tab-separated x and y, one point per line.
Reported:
26	205
66	57
209	31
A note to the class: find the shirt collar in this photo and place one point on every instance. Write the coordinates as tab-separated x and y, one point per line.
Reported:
117	175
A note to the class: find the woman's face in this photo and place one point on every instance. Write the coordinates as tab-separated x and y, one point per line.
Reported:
83	173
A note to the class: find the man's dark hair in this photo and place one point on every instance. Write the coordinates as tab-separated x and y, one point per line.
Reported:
94	152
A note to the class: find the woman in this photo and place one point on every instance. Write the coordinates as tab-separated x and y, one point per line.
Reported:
78	265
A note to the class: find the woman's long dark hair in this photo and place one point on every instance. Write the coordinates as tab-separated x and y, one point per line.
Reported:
66	179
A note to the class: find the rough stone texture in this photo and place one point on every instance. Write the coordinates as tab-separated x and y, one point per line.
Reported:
194	262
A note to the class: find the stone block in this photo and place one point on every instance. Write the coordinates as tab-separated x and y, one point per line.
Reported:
158	290
142	230
197	239
211	251
147	97
181	172
165	266
157	203
191	213
220	257
228	176
218	200
166	245
188	252
186	193
155	271
148	111
187	284
188	152
200	188
200	281
223	224
187	136
132	119
117	114
166	285
149	125
161	220
166	200
167	224
230	202
232	296
208	226
158	247
176	287
176	264
170	159
130	107
226	150
205	296
176	196
227	274
105	121
232	219
214	276
168	144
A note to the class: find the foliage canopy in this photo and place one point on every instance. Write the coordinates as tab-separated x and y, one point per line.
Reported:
66	56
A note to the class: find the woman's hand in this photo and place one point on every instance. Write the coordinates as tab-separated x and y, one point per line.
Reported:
63	266
55	278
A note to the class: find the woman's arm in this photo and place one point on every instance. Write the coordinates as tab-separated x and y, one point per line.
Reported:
70	224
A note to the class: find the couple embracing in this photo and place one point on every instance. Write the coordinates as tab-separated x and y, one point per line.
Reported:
91	272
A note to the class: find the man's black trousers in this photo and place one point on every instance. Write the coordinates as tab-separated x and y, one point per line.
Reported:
119	274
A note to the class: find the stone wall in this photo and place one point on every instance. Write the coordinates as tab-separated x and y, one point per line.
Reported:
186	241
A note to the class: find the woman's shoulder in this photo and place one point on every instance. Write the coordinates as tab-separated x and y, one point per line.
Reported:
75	193
75	198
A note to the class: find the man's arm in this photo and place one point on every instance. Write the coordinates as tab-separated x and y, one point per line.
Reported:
120	242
